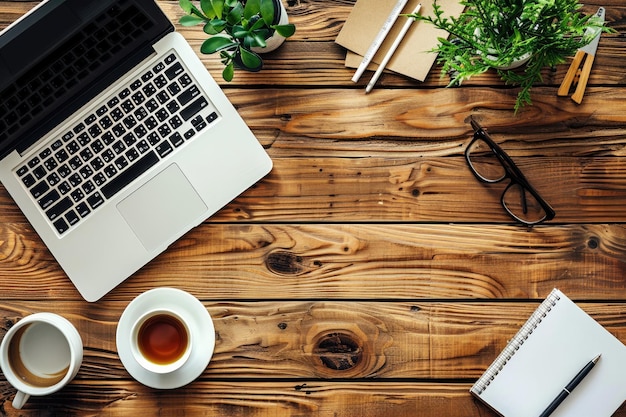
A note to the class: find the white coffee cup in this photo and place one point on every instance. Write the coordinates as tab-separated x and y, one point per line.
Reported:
160	341
39	355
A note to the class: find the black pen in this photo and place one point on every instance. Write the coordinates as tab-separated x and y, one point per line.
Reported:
570	387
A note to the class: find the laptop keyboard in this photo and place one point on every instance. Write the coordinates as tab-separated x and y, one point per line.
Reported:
50	82
127	133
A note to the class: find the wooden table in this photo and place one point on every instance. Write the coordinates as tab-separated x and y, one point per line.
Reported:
369	274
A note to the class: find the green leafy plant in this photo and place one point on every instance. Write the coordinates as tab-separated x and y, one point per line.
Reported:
497	34
236	28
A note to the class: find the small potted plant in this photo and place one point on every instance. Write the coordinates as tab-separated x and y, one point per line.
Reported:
506	34
239	30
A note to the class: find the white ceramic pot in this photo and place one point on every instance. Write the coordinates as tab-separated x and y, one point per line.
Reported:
515	64
274	41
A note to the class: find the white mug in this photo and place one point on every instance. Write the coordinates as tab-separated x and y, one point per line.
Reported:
39	355
160	341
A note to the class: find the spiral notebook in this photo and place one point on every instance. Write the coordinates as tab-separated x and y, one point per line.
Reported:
553	345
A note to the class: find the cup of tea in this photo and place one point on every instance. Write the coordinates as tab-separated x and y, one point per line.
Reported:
39	355
160	341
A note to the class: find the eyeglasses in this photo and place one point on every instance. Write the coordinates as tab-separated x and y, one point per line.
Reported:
490	164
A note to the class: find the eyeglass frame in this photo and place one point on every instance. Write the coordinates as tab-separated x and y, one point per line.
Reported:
511	171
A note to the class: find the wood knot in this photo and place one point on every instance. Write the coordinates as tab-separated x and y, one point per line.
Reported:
339	351
284	263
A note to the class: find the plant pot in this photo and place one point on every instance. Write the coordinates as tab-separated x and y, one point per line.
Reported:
516	63
276	40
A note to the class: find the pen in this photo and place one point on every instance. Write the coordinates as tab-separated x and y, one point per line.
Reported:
391	50
378	40
570	387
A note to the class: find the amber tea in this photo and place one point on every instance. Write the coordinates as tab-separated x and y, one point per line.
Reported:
162	339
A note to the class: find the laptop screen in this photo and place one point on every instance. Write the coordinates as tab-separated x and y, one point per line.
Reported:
60	56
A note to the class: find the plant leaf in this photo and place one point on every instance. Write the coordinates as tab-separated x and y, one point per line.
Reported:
250	60
186	5
253	7
190	20
235	15
216	43
215	26
285	30
228	72
267	11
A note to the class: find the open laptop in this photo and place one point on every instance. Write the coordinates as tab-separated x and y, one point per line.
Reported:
114	138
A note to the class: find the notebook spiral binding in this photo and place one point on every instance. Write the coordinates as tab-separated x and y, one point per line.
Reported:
515	343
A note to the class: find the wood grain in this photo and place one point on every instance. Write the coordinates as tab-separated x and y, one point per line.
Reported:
369	274
353	261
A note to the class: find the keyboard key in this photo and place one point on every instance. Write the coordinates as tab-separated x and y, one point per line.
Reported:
101	111
176	139
77	195
83	209
189	134
71	217
174	71
61	155
61	226
39	189
170	58
75	179
95	201
193	109
158	67
175	122
83	139
64	187
211	117
90	119
164	149
72	147
132	172
59	208
33	162
50	164
99	179
64	171
188	95
88	187
39	172
172	107
49	199
53	179
174	88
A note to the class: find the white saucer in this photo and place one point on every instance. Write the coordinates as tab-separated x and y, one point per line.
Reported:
202	334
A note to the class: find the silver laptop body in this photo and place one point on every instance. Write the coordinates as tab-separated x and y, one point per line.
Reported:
137	164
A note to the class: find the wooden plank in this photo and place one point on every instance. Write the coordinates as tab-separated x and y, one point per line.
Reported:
252	399
312	54
430	341
354	261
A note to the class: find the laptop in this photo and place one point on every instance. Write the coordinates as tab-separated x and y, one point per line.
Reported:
114	139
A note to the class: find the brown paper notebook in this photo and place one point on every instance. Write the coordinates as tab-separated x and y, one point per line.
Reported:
413	57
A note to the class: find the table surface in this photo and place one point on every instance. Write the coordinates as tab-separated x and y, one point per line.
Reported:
369	274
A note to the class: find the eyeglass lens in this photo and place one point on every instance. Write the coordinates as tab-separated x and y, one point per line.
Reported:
485	162
522	205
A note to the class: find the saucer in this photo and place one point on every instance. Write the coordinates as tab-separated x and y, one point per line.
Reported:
200	324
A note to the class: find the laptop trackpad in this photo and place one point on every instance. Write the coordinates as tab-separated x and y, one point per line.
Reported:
162	208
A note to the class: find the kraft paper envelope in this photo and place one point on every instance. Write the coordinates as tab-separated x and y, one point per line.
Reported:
413	57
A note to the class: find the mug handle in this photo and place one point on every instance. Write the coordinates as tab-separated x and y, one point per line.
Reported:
20	399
